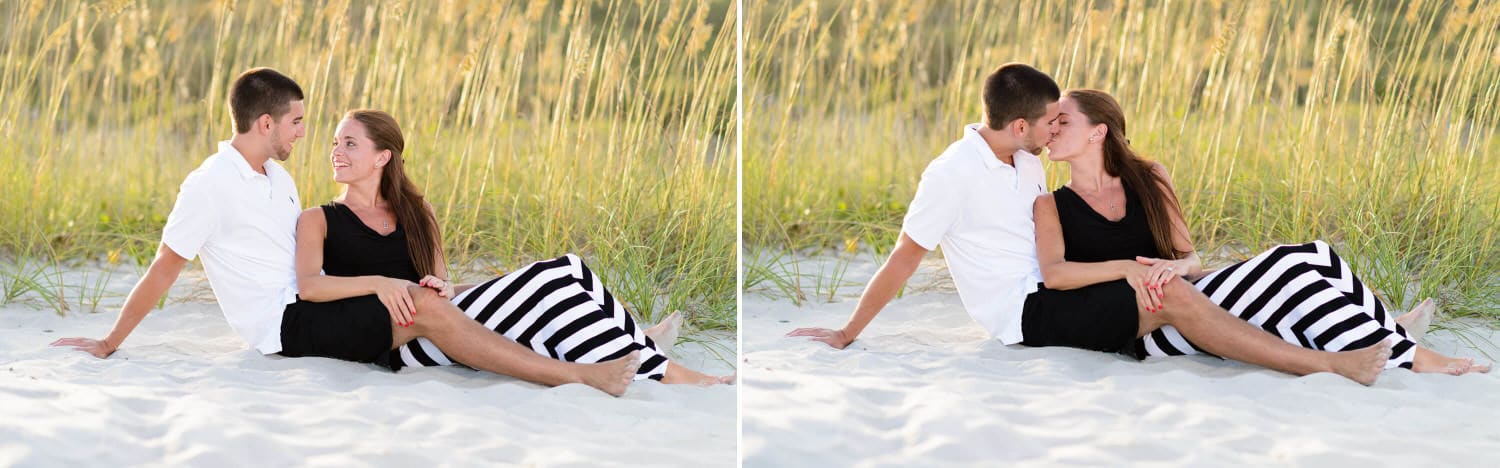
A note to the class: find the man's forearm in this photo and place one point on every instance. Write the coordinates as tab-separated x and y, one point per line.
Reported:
879	292
143	297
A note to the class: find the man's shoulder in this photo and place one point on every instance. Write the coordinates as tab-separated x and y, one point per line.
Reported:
213	174
955	162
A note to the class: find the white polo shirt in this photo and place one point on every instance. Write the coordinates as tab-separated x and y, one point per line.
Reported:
979	209
244	226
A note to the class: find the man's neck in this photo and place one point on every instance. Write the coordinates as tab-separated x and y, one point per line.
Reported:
1005	153
248	149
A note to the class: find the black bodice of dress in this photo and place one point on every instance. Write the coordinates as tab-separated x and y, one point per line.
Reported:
353	249
1090	237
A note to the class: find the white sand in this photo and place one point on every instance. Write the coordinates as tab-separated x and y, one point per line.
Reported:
185	390
924	386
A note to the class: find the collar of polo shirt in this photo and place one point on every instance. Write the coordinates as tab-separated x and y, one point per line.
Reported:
246	171
982	148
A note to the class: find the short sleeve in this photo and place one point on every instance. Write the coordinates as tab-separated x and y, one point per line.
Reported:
194	217
934	210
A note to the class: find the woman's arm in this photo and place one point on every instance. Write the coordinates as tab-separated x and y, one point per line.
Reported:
1061	274
1189	266
1058	273
314	286
442	284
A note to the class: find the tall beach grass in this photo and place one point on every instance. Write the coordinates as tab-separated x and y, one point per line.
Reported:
535	128
1371	124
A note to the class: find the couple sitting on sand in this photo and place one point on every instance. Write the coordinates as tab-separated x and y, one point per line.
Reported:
1106	263
363	278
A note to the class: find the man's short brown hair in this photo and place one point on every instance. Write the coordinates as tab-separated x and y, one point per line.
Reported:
1017	91
261	91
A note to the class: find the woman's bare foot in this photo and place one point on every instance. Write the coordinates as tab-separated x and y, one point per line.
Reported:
1428	360
1362	365
1417	321
664	334
614	376
679	375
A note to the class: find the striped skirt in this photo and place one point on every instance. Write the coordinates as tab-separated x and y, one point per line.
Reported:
558	308
1303	293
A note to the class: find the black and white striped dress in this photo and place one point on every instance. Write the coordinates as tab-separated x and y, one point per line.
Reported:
1304	294
558	308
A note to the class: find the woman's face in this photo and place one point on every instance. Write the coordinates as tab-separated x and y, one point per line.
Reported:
354	157
1073	132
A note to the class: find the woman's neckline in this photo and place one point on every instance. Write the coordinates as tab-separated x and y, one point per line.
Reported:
1096	213
361	221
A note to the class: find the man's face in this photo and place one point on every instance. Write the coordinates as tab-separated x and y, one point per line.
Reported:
285	132
1039	131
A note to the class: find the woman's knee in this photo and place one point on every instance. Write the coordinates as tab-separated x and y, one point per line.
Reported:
1179	296
429	303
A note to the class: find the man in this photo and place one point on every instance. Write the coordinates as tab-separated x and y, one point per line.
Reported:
238	211
976	201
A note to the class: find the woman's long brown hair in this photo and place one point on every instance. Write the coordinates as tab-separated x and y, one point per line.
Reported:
422	237
1134	173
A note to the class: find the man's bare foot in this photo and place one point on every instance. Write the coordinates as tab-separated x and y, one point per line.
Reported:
1417	321
1362	365
614	376
1428	360
679	375
664	334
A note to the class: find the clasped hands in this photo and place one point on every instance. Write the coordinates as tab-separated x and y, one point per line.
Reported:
1149	278
397	299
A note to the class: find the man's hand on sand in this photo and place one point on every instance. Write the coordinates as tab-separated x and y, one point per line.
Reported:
835	338
99	349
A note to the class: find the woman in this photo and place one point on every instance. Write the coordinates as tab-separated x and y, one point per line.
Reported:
379	235
1119	216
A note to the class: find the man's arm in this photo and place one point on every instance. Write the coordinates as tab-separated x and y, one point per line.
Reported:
143	297
882	288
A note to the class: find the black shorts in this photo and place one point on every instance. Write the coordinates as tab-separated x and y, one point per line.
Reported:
1100	317
354	329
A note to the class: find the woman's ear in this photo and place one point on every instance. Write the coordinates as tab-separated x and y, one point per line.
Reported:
385	157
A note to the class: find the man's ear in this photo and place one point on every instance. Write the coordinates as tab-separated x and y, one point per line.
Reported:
1018	128
264	122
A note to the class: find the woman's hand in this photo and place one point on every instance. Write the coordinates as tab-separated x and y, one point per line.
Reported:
1147	293
835	338
397	299
1162	270
443	288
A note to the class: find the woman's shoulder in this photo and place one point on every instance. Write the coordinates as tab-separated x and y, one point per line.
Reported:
312	219
1160	170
